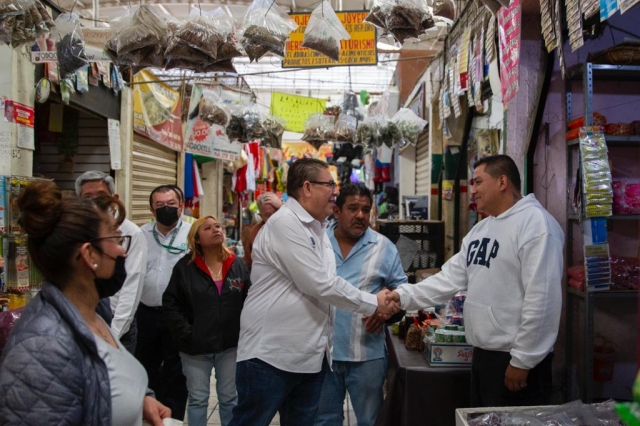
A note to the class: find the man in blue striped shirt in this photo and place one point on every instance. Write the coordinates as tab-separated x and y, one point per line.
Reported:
370	262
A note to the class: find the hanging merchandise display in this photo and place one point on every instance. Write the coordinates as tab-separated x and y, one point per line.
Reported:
509	27
402	18
69	42
319	129
266	29
409	124
23	21
547	22
574	23
597	196
324	32
139	38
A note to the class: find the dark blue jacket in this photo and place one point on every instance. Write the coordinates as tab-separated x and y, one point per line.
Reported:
50	370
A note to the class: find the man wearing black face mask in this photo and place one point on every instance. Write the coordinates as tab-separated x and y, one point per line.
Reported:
167	243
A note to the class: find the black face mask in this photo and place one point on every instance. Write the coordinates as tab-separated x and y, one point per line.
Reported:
167	215
107	287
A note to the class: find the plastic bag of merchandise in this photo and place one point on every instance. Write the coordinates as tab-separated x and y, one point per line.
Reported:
275	129
67	35
197	39
318	128
251	122
141	28
10	8
211	110
324	32
140	38
266	24
351	106
409	123
346	127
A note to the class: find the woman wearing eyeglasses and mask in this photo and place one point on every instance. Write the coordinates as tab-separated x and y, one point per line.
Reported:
202	306
61	364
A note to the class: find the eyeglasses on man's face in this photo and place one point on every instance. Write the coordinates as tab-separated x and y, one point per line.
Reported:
329	183
122	240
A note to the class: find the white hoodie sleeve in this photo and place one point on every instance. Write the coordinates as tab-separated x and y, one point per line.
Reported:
542	261
439	288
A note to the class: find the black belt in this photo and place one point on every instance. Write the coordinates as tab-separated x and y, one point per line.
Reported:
151	308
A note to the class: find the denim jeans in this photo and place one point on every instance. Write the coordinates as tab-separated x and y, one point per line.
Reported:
197	370
364	382
264	390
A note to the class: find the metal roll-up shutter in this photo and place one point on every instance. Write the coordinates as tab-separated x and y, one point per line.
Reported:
85	148
152	165
423	165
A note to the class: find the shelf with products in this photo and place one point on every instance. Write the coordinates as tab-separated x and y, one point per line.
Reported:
613	140
581	305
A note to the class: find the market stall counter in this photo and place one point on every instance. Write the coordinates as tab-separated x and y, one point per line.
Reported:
418	394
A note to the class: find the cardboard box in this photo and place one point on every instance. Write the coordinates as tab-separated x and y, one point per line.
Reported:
444	354
463	415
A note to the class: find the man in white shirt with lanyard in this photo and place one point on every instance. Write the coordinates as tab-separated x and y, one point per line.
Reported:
287	321
124	303
158	353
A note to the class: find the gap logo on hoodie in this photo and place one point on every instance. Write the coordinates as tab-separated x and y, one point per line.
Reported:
482	251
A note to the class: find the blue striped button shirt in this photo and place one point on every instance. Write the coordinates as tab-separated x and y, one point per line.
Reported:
372	265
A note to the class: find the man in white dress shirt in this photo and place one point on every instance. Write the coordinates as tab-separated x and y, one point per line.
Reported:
124	303
156	351
286	324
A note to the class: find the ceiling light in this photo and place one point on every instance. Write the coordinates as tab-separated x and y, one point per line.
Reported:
387	46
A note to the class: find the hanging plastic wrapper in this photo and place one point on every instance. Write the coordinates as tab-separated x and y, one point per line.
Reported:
324	32
69	41
346	127
140	38
267	28
402	18
350	105
212	110
251	121
275	130
409	124
23	21
196	41
318	129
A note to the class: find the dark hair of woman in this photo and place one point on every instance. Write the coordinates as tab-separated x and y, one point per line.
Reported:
56	226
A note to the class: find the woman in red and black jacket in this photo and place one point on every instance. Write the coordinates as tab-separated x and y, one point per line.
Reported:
202	306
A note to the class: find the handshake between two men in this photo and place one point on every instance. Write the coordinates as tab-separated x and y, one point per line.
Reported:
388	305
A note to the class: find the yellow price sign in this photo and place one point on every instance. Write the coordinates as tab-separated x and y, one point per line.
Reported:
295	110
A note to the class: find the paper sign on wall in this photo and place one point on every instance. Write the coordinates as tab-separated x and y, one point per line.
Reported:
509	40
114	144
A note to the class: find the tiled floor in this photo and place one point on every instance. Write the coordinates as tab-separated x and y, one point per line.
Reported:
214	415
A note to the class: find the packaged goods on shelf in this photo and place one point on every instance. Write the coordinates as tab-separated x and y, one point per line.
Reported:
626	196
596	174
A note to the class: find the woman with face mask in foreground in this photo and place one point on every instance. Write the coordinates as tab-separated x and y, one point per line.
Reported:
61	364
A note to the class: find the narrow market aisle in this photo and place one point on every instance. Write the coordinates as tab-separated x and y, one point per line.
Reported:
213	414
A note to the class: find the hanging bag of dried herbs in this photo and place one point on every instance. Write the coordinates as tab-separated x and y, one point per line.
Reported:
324	31
319	128
266	28
140	38
212	110
23	21
409	124
346	127
229	46
251	121
67	35
275	129
402	18
196	40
